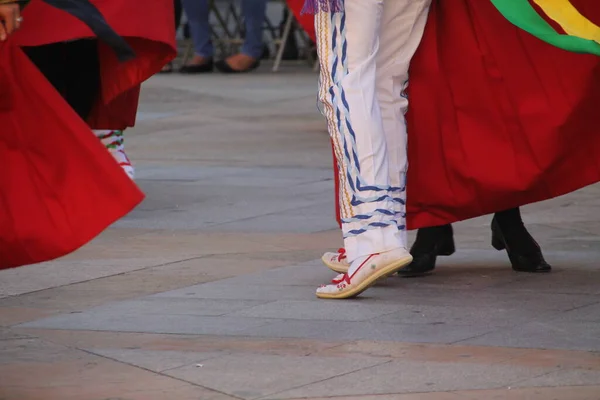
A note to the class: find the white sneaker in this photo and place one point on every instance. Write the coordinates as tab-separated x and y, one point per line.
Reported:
336	261
366	271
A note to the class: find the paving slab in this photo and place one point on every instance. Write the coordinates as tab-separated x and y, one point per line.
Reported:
221	290
256	376
149	323
554	393
177	306
36	370
545	335
492	317
310	310
38	277
398	396
560	377
367	330
403	377
156	361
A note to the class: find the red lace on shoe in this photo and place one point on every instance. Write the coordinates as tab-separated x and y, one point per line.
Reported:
342	278
342	254
127	161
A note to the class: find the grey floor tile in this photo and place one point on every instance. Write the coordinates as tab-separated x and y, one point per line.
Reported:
175	306
219	290
564	281
186	172
589	313
251	376
157	361
36	277
405	377
551	334
196	205
175	324
149	116
317	310
283	222
31	350
312	275
262	178
572	377
367	330
481	317
490	297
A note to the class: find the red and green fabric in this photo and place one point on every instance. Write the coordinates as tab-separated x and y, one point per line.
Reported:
581	35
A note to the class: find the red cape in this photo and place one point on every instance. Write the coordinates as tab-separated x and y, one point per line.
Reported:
497	118
59	187
149	30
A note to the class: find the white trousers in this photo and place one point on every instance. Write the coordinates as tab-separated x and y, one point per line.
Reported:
365	52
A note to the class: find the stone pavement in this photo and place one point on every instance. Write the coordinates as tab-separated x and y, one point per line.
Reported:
206	291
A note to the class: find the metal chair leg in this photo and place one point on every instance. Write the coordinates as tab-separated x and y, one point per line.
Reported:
283	40
189	49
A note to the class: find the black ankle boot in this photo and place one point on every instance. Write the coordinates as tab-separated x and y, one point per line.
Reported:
509	233
431	242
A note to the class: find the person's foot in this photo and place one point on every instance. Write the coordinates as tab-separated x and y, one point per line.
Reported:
121	157
198	65
364	272
237	64
336	261
430	243
509	233
115	144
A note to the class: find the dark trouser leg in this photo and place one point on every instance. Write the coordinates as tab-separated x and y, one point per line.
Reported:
73	68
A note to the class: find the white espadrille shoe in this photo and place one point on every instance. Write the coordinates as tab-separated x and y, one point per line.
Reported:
363	273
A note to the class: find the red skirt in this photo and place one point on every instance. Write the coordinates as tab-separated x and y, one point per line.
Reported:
497	118
149	30
59	187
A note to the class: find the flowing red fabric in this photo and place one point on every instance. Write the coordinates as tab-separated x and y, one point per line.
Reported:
149	29
497	118
59	187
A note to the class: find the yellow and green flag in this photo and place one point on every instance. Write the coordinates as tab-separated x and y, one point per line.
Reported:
581	34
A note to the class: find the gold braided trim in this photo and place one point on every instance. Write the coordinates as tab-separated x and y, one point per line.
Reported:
323	28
